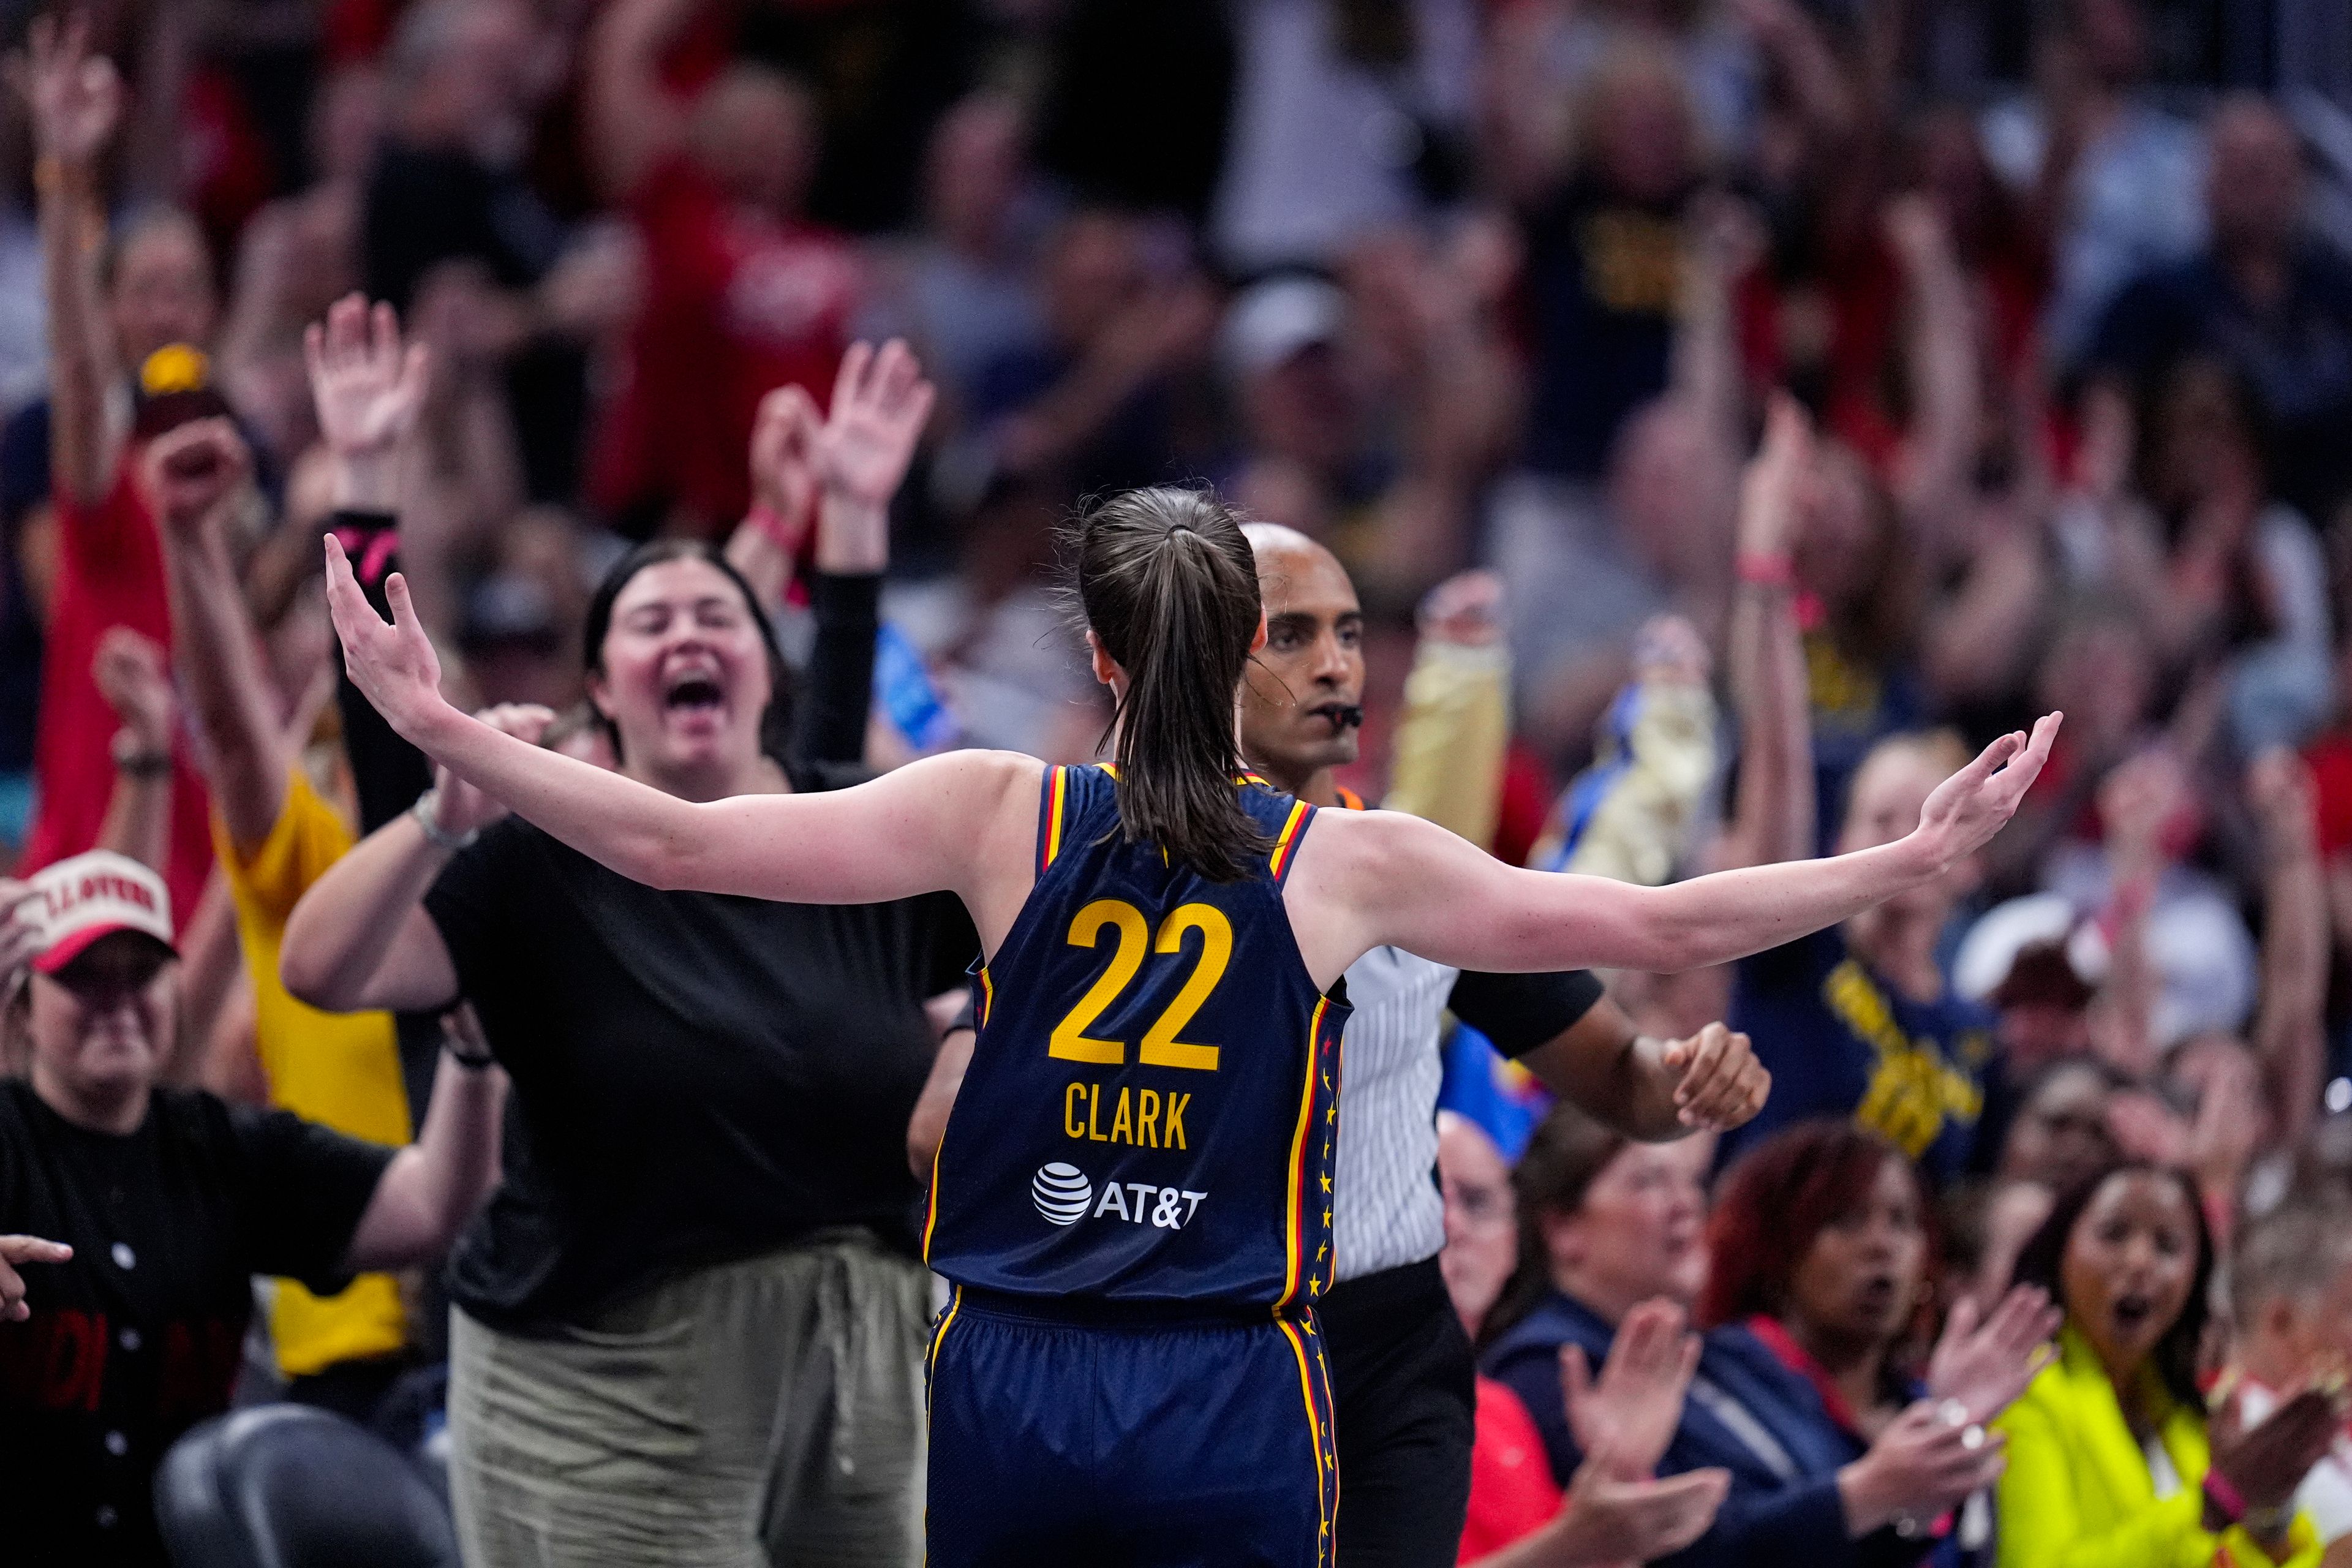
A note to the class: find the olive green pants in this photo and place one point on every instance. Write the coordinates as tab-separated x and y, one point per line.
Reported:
757	1414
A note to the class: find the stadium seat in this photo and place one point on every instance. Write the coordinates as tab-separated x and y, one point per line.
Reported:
285	1485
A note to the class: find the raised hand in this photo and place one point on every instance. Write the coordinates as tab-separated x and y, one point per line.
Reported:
783	463
1721	1084
393	665
75	97
458	807
1625	1421
880	404
367	387
1466	610
15	1251
1966	809
2279	786
1769	488
1983	1367
131	676
191	470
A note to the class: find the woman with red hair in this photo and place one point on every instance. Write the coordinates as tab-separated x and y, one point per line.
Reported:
1819	1249
1821	1271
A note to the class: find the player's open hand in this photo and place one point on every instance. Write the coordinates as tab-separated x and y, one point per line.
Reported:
1976	803
1719	1084
395	665
15	1251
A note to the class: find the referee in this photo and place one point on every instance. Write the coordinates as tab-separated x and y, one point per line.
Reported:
1401	1365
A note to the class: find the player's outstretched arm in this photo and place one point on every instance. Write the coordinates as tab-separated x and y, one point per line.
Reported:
1382	878
921	829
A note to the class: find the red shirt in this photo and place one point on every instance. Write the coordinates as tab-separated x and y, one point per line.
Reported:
110	574
737	304
1512	1493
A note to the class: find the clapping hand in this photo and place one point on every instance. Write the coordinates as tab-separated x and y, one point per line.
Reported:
1983	1367
2267	1463
1625	1421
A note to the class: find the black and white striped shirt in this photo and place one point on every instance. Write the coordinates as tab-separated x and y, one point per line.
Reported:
1387	1212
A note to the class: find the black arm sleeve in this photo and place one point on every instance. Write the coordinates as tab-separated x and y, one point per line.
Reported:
838	693
388	772
306	1188
1521	1012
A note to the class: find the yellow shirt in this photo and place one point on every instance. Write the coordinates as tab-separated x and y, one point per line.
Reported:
2077	1492
342	1070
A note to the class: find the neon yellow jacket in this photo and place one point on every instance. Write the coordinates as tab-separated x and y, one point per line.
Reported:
2077	1492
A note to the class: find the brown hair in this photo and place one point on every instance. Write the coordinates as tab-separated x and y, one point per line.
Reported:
1566	1155
1170	586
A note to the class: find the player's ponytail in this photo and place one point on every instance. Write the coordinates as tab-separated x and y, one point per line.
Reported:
1170	585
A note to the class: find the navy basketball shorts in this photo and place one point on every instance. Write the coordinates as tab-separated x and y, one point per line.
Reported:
1070	1434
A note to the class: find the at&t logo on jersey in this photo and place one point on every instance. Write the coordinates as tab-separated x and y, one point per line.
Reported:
1063	1194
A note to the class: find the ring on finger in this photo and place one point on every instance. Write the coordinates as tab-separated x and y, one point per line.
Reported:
1972	1437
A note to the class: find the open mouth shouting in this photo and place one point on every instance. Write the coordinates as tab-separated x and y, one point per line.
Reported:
694	691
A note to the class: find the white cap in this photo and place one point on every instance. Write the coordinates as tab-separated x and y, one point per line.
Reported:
1989	953
1270	321
95	895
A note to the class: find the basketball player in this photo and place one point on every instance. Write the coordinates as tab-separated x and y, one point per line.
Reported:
1402	1368
1138	1379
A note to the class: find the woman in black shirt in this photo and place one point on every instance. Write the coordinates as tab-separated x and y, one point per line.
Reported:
690	1322
170	1201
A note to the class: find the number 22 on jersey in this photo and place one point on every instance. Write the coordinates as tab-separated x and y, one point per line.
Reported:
1162	1045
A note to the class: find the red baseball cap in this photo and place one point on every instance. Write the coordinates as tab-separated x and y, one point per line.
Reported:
95	895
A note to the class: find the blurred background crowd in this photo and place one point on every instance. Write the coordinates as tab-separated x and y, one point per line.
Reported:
2049	306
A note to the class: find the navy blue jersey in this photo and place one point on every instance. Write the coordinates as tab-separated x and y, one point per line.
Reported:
1151	1107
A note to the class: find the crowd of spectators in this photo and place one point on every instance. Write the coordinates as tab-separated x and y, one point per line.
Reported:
1829	387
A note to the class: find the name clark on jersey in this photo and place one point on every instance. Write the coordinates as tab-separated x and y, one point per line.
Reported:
1145	1118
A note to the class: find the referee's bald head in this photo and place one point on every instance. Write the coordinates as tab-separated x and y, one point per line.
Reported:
1282	552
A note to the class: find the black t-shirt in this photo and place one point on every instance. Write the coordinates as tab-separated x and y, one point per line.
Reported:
140	1336
698	1076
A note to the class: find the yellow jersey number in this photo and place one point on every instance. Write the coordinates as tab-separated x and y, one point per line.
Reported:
1160	1046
